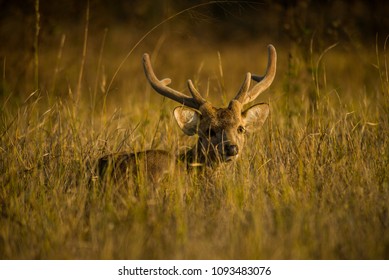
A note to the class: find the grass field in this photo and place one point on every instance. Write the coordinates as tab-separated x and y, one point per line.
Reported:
313	184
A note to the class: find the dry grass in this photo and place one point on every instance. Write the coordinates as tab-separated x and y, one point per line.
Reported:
314	184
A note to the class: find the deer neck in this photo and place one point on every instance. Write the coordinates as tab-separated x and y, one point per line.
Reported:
196	158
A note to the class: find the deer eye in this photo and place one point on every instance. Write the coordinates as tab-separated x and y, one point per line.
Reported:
241	129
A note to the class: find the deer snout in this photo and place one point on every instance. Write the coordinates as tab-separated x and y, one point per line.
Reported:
231	150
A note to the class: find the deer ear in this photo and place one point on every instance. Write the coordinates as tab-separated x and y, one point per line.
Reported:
187	119
255	116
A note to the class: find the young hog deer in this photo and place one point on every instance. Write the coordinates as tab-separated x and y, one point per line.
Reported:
221	131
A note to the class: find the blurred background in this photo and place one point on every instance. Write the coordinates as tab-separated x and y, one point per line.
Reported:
232	20
115	27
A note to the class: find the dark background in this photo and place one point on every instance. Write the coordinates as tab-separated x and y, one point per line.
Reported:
352	24
288	20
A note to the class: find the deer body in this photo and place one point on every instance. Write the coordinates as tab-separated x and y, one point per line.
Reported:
221	131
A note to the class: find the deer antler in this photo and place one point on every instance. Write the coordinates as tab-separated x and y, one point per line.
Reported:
245	95
161	86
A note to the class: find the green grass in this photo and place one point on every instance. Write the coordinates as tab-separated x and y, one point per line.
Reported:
313	184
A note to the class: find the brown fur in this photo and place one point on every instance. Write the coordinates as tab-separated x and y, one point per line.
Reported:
217	128
155	164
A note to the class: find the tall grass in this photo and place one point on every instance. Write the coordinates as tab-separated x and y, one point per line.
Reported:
314	184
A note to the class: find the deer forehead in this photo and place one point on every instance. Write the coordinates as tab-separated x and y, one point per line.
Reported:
222	118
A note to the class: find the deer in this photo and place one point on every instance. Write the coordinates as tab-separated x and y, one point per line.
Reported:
221	131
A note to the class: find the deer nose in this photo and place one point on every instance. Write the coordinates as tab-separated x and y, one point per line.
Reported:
231	150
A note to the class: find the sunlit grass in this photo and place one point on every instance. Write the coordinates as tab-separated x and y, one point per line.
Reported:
313	184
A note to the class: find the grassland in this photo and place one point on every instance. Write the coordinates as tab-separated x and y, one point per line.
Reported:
313	184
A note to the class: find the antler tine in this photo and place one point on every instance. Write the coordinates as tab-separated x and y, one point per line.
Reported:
161	86
263	81
244	88
195	93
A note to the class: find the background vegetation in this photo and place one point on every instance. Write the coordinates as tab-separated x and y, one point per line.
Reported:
314	184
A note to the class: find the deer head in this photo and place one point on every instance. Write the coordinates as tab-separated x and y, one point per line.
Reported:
221	131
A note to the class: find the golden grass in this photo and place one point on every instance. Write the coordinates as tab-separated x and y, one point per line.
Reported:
314	184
